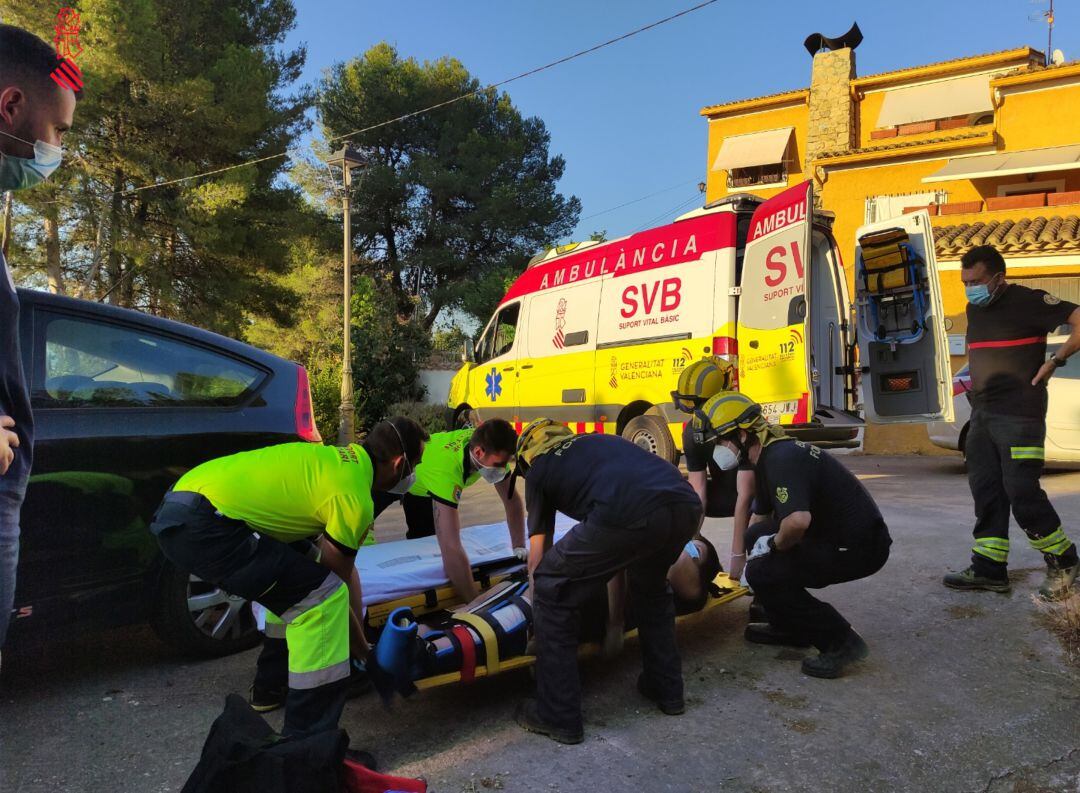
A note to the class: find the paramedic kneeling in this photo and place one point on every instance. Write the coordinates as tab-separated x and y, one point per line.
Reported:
636	513
287	493
452	462
724	494
820	527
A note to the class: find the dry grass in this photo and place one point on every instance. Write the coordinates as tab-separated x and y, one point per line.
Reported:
1063	618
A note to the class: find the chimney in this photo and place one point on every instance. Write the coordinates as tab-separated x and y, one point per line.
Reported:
832	111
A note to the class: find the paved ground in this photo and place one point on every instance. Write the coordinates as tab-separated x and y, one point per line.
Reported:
963	692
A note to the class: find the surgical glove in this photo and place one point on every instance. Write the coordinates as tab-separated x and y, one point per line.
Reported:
522	554
761	547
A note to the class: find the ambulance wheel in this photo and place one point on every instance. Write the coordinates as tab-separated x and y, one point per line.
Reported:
199	619
651	434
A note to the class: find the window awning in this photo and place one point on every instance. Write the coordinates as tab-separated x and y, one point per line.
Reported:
752	149
1056	158
962	96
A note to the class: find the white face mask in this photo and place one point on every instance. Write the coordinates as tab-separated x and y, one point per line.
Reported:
490	474
724	457
20	173
404	484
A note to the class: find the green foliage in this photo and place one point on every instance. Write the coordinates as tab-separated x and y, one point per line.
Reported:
451	199
325	379
173	88
430	417
448	340
388	356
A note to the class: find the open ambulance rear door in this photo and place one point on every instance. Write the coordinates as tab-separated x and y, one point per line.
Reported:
774	356
903	347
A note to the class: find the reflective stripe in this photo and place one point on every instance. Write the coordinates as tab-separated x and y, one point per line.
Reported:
1055	543
275	628
319	677
993	548
978	345
1027	452
319	642
491	641
316	596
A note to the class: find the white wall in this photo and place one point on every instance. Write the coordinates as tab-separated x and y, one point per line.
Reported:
437	383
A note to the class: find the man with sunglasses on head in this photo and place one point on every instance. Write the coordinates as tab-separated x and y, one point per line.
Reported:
35	112
452	462
246	523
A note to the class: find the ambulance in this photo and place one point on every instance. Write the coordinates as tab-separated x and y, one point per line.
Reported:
595	334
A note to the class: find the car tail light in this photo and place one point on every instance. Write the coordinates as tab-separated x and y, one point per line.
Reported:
305	414
728	348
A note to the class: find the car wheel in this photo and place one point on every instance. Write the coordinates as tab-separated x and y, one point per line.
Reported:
651	434
201	619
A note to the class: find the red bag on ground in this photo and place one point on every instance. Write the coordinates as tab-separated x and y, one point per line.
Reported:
360	779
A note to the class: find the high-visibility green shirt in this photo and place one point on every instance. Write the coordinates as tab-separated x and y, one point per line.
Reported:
292	491
441	473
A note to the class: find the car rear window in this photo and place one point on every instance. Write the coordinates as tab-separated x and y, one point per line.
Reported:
100	364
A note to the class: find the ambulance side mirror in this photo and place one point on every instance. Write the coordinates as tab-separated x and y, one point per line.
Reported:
468	352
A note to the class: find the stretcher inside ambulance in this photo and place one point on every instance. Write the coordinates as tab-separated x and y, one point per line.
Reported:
426	638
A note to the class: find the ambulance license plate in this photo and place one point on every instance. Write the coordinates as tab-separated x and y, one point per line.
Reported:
772	411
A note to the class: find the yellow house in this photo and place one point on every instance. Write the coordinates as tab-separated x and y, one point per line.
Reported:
990	143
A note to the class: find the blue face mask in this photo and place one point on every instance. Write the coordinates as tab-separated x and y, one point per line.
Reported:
979	294
20	173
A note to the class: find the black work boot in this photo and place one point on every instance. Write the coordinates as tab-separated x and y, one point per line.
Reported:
832	663
764	633
971	580
265	700
528	717
672	707
757	612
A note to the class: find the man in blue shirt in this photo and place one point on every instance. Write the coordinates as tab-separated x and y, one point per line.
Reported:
35	112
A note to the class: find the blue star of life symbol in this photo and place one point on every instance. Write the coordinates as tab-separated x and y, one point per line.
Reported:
494	384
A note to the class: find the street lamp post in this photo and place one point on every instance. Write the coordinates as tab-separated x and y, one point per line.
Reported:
347	159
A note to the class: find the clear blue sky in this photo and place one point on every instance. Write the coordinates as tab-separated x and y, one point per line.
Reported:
626	117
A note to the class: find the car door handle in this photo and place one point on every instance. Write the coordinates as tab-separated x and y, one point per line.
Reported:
526	366
508	368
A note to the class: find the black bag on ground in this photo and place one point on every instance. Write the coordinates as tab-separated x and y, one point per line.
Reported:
242	754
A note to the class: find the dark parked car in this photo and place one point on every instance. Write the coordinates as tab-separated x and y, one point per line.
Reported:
124	403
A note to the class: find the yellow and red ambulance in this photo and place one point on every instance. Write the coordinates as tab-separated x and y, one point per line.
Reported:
595	334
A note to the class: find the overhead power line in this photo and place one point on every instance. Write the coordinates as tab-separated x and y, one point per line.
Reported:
438	105
637	200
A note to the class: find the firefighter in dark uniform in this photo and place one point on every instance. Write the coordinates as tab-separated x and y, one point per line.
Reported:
636	513
723	493
818	526
1006	339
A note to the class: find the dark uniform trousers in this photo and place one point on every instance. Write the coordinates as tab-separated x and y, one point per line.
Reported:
272	668
576	569
780	580
1004	462
226	553
419	515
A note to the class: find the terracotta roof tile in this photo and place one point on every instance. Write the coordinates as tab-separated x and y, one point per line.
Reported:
904	144
1021	236
1018	50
